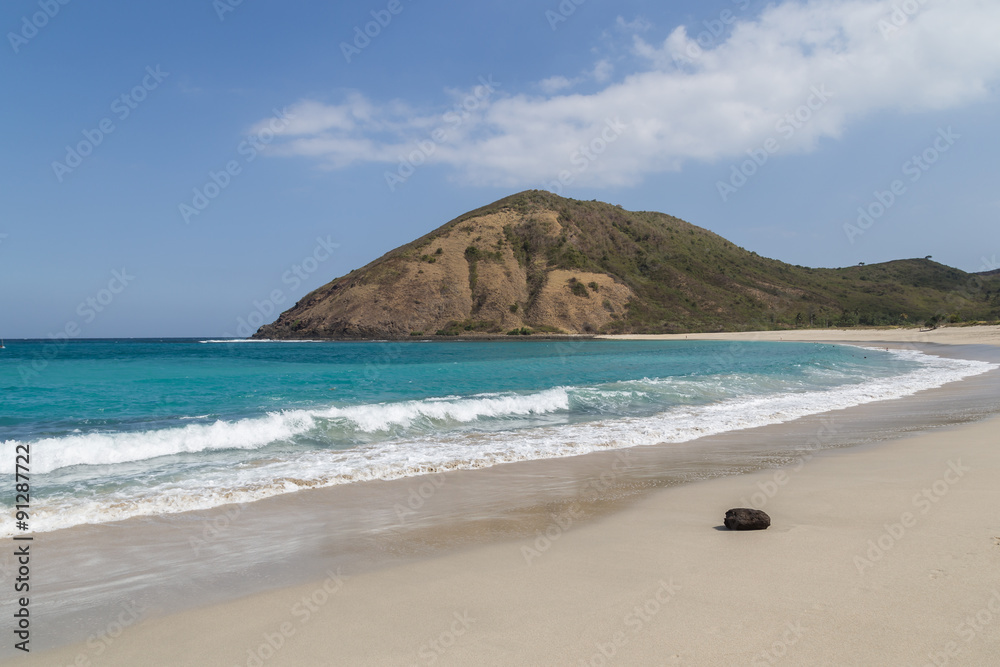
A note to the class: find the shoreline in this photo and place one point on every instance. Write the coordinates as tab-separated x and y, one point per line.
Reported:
947	333
441	544
972	335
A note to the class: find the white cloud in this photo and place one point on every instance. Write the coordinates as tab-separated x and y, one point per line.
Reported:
638	24
554	84
687	101
602	71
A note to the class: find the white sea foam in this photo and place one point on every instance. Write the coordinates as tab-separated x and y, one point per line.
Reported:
244	481
51	454
383	416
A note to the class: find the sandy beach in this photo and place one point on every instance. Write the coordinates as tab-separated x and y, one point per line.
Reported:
881	554
975	335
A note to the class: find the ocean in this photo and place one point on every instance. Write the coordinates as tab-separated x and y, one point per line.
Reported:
144	428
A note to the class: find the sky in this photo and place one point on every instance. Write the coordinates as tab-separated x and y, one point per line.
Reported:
193	168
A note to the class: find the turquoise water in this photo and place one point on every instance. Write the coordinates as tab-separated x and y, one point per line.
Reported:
141	427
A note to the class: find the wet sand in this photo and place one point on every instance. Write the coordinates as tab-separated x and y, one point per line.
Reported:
548	557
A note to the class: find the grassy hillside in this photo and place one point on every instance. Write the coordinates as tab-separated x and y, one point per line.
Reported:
545	263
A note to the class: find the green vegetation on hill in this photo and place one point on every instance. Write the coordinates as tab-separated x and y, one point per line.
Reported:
689	279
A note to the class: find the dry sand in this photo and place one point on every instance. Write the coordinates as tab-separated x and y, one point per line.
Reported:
983	335
886	554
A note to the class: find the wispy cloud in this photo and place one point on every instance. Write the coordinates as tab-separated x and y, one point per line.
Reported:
715	105
555	84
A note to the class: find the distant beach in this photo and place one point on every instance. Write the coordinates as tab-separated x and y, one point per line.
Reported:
970	335
880	550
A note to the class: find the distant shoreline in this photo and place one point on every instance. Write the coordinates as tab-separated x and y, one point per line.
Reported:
988	334
943	334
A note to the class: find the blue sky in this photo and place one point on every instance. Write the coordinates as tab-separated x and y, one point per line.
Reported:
170	169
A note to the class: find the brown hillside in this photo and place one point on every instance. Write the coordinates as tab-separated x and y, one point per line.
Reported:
461	280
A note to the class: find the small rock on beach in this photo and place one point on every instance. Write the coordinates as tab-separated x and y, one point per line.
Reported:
743	518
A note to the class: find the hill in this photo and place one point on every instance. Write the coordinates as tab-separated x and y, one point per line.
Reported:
536	261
